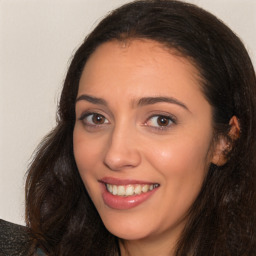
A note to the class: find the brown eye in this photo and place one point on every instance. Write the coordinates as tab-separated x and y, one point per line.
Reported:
98	119
163	121
94	119
159	121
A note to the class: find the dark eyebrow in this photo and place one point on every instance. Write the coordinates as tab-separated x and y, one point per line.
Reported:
141	102
153	100
92	99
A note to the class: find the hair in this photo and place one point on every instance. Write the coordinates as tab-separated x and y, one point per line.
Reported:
222	220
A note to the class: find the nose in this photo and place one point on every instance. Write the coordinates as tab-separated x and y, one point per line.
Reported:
122	150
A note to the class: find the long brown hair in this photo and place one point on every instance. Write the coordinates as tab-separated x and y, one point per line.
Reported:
222	220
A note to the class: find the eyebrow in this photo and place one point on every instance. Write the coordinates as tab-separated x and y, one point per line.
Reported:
141	102
92	99
153	100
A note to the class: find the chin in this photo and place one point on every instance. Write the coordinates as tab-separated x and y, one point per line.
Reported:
129	234
128	230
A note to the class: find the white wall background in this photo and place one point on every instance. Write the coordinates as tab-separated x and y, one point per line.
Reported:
37	39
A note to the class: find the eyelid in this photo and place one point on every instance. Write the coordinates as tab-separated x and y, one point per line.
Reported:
168	116
83	108
86	114
83	112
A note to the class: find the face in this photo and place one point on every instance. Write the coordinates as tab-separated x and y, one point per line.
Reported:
142	137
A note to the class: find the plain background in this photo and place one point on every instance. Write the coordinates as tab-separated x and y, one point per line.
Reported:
37	40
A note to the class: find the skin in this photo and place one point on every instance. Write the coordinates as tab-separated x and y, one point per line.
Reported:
130	143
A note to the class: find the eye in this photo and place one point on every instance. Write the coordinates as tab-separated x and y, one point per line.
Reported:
93	119
160	121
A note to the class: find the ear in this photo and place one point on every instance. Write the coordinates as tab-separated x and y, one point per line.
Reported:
224	144
234	131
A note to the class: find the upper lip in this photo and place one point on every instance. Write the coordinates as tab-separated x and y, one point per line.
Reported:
115	181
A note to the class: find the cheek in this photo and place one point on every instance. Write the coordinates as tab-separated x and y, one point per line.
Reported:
181	153
182	166
86	153
183	161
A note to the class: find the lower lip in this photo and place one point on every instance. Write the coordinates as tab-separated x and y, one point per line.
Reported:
125	202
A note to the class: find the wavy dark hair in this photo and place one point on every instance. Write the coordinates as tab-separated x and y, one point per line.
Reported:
222	220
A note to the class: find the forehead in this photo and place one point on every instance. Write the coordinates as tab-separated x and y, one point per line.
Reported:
138	67
140	50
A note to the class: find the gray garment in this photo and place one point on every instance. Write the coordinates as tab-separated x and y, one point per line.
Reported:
14	239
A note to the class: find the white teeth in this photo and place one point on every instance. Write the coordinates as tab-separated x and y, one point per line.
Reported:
110	188
137	190
129	190
114	190
145	188
121	190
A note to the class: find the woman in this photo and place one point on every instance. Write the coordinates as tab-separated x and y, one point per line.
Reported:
154	150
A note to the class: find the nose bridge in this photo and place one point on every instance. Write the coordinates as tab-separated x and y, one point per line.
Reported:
121	151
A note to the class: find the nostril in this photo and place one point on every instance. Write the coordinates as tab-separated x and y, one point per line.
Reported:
122	158
118	163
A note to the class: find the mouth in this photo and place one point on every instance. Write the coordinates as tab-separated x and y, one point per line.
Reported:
124	194
130	189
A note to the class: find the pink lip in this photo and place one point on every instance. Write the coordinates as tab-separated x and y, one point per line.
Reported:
121	202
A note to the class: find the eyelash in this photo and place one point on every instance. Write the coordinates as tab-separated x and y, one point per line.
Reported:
169	118
85	116
171	121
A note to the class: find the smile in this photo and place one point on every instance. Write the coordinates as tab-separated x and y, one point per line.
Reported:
124	194
130	190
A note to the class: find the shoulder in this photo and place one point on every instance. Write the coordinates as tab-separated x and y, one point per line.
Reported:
14	239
